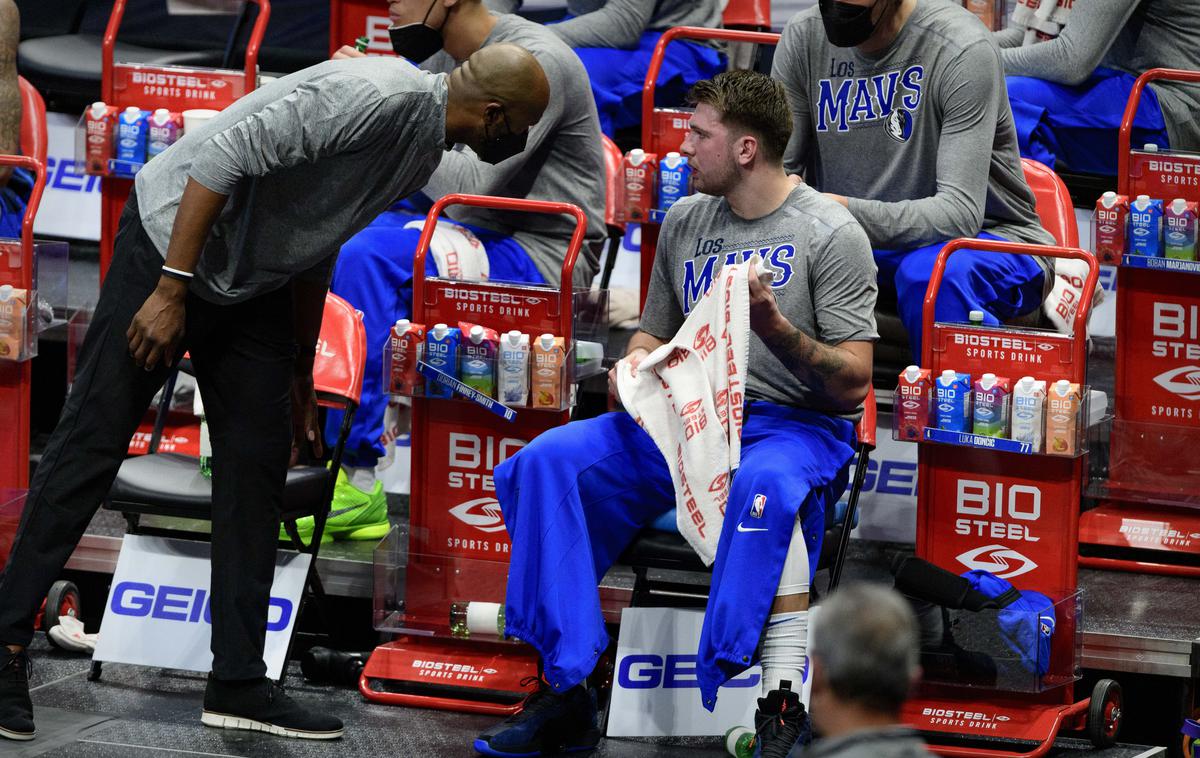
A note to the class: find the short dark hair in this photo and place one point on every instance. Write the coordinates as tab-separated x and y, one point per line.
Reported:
751	101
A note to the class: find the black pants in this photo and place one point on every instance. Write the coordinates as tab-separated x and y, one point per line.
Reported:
243	356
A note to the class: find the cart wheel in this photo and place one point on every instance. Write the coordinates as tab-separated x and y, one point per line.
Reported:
1104	713
61	600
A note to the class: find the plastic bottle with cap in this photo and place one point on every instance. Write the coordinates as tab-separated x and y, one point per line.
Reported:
975	318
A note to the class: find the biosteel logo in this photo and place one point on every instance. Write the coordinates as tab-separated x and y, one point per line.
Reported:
1183	381
1001	343
485	296
483	513
1000	560
190	81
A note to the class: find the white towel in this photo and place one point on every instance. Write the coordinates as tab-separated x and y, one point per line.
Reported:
457	252
688	396
1062	303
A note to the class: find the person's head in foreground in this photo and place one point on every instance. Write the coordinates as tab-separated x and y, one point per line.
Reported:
494	98
864	659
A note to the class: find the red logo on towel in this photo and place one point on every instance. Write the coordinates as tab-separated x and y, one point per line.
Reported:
689	500
694	419
705	342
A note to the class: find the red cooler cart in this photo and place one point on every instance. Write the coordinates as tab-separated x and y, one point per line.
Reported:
1009	508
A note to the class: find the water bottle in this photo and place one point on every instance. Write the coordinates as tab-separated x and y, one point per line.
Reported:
205	450
739	742
480	618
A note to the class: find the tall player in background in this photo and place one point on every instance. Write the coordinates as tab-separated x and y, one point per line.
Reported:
900	115
1076	79
615	39
577	495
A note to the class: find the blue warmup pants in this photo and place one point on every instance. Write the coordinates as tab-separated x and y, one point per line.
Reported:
1079	125
576	496
374	273
1002	286
618	75
13	199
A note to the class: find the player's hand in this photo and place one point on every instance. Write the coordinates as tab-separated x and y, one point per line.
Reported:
347	51
157	327
839	199
306	427
765	317
631	360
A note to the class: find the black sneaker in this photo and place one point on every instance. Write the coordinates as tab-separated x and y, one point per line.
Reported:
261	705
547	723
780	723
16	709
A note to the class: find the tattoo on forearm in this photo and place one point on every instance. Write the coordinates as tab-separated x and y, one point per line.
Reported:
815	364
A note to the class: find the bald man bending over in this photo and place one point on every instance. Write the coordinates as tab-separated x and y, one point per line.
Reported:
225	249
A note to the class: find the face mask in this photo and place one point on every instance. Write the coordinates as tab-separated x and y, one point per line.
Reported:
416	42
498	147
847	25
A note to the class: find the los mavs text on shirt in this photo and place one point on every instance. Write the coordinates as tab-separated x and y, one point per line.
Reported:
892	97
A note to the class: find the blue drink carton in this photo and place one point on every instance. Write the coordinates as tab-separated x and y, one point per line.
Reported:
441	352
1180	235
132	127
1145	227
674	180
990	400
952	401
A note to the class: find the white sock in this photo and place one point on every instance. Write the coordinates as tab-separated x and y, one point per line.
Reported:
362	477
784	649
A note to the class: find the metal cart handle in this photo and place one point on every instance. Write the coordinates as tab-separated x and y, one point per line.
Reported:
35	199
566	287
687	32
1135	97
252	45
1079	344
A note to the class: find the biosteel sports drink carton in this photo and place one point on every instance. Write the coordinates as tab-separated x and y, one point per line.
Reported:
912	408
1145	227
549	357
1029	411
479	348
13	321
1062	417
952	401
131	135
512	373
637	189
1112	220
441	352
164	128
101	123
674	180
989	405
1179	236
404	350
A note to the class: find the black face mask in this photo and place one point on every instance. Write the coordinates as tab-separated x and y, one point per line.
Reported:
416	41
498	147
847	25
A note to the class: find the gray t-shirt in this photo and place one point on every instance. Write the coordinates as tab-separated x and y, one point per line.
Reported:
563	161
880	742
824	277
921	137
307	161
1131	36
620	23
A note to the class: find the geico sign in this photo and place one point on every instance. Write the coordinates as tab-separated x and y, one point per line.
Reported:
649	671
186	604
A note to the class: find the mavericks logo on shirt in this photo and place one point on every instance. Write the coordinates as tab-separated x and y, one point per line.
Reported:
892	97
698	272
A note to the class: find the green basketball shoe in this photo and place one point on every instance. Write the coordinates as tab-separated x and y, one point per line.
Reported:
354	515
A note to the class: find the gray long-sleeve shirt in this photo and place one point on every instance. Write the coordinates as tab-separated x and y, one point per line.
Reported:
620	23
1131	36
563	161
920	137
307	161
